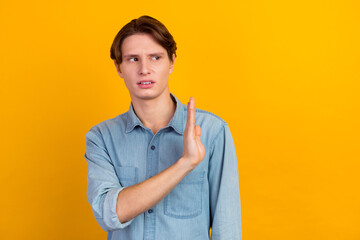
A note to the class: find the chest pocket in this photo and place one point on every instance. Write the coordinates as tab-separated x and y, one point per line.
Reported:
185	200
127	175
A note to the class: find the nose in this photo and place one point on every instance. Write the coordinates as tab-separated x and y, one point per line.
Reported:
144	68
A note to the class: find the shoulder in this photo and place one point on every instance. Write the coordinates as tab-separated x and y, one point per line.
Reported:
203	117
106	127
211	124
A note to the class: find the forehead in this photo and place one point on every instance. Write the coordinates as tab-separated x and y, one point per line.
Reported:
140	42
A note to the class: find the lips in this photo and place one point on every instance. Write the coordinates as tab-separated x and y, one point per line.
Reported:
145	83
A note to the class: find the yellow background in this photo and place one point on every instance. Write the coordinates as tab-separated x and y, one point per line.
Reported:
283	74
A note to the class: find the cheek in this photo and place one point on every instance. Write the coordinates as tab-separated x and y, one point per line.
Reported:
128	77
162	70
129	72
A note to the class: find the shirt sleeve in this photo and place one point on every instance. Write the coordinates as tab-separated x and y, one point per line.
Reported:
224	188
103	185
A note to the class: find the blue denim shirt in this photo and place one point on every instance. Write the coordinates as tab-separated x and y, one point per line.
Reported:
121	152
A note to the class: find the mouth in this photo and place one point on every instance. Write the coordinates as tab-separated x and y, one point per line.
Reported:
145	83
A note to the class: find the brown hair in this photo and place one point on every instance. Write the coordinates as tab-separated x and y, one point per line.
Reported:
144	24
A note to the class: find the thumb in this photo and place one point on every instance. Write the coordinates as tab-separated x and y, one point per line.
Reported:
197	132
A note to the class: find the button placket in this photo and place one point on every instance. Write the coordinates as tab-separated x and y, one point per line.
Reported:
152	169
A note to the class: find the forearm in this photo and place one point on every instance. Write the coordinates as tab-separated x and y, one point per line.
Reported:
140	197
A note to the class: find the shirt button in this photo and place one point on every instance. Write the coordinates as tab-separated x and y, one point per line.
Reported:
152	147
150	211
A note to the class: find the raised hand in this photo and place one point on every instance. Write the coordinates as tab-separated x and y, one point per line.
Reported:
193	150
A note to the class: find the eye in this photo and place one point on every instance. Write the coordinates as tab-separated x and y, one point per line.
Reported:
156	57
133	59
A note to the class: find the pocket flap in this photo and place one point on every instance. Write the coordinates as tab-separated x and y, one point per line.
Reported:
193	177
127	173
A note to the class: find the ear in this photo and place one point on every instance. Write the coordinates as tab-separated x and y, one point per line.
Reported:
171	69
118	69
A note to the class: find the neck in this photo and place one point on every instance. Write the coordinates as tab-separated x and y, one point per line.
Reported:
155	113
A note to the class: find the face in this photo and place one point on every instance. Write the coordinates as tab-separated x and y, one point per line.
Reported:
145	67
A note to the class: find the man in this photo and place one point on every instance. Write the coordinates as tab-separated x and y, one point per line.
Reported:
153	173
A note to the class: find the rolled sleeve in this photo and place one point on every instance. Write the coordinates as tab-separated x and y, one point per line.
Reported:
111	220
225	210
103	185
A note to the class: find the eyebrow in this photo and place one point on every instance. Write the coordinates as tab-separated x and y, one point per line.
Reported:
151	54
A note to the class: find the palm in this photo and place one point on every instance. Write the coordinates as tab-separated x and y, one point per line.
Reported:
193	148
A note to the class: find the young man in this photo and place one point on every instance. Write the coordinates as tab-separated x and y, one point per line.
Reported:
157	171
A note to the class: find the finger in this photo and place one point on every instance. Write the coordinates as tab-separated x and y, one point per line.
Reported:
192	112
190	122
187	116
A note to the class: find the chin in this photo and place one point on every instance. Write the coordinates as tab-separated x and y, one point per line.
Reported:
147	96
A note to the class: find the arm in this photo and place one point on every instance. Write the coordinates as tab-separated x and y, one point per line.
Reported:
224	188
114	206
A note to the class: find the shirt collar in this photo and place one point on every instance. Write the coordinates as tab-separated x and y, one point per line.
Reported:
176	122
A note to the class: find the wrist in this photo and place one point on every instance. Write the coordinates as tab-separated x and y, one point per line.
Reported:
186	164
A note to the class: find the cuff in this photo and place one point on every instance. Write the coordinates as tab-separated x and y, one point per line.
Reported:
110	216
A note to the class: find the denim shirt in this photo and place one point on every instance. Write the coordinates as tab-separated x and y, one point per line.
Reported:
121	152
